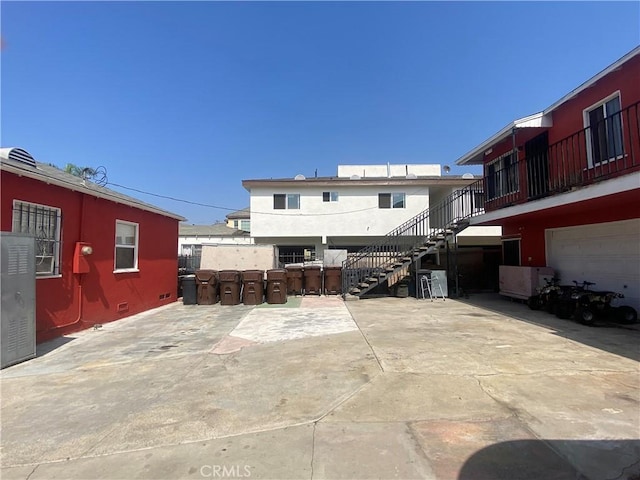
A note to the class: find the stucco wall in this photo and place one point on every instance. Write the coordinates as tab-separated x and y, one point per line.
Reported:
239	257
394	170
212	239
71	302
355	213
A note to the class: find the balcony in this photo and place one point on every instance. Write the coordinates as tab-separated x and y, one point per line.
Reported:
608	148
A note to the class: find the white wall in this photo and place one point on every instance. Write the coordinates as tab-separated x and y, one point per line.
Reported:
394	170
355	213
212	239
239	257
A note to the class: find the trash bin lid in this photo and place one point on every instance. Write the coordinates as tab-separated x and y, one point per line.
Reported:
229	276
253	275
276	274
205	275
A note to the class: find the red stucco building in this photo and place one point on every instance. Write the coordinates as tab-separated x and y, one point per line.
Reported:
100	255
564	183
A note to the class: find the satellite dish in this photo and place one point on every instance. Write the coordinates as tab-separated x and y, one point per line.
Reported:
299	177
354	177
446	168
467	176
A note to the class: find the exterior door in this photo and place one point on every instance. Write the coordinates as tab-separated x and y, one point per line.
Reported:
537	159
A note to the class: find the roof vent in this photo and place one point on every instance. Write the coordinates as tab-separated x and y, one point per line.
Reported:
467	176
299	177
411	176
354	177
22	156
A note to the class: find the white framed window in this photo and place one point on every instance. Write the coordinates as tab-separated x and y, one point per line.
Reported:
603	130
329	196
391	200
286	201
502	176
244	225
45	224
126	247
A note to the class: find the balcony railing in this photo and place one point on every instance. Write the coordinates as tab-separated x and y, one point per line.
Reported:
606	149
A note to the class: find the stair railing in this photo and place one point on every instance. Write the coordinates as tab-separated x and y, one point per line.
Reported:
400	243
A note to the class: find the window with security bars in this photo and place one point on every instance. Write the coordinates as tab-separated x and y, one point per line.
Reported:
44	223
126	257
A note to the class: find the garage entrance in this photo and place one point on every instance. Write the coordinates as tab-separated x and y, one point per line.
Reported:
605	253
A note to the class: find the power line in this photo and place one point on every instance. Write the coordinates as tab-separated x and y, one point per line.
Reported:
207	205
174	199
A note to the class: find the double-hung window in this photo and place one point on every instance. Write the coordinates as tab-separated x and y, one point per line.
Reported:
286	201
126	250
44	223
391	200
603	124
502	176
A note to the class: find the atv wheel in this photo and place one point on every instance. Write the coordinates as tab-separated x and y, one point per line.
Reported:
626	314
585	315
563	310
534	302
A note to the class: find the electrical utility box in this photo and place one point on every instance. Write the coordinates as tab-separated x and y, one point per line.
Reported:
18	321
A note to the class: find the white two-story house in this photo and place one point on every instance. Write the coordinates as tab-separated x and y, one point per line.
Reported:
359	206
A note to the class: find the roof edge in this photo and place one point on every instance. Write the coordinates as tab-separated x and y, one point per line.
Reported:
95	193
474	156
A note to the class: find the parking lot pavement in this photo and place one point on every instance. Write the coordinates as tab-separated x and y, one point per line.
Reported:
319	388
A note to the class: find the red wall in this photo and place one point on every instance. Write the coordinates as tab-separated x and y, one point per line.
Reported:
568	118
73	302
531	227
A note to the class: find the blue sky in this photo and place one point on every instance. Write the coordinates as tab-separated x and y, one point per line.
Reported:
187	99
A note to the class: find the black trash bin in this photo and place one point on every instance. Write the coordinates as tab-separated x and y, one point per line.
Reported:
230	283
252	287
277	286
189	290
294	280
207	282
401	288
312	280
332	280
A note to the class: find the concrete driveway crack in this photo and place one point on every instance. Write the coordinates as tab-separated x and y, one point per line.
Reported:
32	472
624	470
366	340
313	447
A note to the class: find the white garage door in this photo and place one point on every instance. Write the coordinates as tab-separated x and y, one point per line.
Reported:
605	253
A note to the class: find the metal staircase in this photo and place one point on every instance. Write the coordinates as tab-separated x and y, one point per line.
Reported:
390	259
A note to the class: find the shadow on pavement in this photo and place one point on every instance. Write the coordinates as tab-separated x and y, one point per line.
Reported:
47	347
555	459
623	340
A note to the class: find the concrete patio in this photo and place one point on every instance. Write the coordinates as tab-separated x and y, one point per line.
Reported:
318	388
